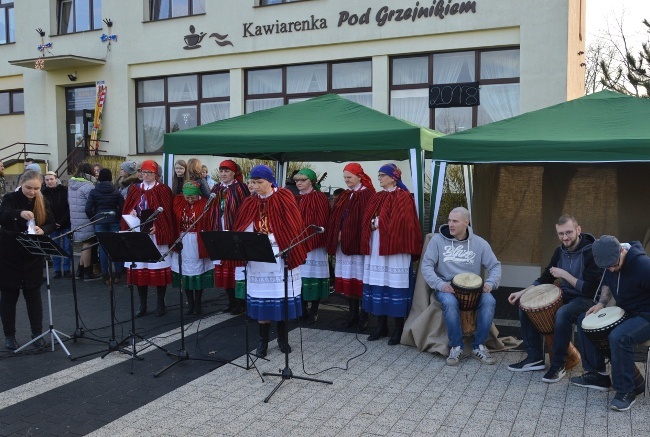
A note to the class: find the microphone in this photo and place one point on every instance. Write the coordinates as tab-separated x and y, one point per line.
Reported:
153	216
108	213
319	229
210	199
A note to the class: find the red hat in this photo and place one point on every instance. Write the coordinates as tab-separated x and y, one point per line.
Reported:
356	169
234	167
149	165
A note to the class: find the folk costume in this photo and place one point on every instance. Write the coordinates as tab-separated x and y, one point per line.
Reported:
314	210
196	264
277	215
344	240
228	201
143	197
390	237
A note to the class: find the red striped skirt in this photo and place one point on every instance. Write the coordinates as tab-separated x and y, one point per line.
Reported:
352	288
149	277
224	276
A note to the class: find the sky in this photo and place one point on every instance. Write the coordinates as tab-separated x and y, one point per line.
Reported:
599	12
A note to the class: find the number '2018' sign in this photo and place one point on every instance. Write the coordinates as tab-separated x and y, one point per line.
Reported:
453	95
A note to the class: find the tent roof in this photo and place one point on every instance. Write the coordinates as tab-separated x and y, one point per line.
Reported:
325	128
601	127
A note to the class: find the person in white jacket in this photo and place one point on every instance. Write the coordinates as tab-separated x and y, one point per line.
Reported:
456	249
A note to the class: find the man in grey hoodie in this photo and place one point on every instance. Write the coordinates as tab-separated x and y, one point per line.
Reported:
456	249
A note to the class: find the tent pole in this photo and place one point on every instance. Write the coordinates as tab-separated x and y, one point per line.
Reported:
438	171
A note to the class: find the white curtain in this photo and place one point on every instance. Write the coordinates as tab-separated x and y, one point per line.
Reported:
151	91
214	111
306	78
453	67
265	81
451	120
151	129
364	99
500	64
410	70
260	104
182	88
215	85
351	75
411	105
498	102
182	117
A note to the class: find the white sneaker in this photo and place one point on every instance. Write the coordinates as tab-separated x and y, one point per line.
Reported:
454	356
483	355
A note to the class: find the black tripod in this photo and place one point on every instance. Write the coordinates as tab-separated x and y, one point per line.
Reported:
286	373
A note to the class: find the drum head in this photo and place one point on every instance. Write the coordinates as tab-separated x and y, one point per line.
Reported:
540	296
468	281
602	318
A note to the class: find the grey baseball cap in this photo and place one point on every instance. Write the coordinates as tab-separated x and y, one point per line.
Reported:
606	251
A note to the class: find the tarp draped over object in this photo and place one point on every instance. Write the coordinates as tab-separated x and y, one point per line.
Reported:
326	128
588	157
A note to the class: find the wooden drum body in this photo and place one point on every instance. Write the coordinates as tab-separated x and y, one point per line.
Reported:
597	326
540	303
467	289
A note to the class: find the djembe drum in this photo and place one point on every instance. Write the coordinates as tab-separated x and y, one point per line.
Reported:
597	326
467	289
540	303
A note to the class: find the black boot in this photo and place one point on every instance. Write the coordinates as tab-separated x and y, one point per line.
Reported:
263	347
305	311
396	336
142	294
198	308
353	316
189	294
363	320
240	307
11	343
381	330
232	302
282	330
80	272
313	312
39	344
160	304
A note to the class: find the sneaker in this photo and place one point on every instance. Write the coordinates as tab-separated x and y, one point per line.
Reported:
483	355
623	401
527	365
593	380
554	374
454	356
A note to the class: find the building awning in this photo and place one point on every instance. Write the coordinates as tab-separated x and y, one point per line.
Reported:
60	62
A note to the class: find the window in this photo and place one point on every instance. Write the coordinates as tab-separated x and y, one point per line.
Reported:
11	102
497	72
271	87
164	9
174	103
276	2
79	15
7	22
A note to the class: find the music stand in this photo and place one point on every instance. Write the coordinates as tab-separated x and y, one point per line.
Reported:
42	245
129	247
240	246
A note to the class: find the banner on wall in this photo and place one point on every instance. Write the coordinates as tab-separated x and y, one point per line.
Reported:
96	131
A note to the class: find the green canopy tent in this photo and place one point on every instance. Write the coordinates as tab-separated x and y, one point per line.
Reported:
326	128
581	156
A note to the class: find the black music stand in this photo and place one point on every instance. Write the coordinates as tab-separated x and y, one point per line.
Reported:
129	247
42	245
240	246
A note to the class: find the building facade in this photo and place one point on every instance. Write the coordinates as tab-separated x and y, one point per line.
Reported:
174	64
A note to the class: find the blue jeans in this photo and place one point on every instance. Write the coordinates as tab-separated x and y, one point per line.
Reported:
565	317
621	344
451	313
103	256
65	245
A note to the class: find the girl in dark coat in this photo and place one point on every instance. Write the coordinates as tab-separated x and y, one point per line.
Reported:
18	268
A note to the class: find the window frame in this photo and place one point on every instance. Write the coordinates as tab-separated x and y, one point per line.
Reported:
262	3
11	94
91	19
190	11
168	105
4	9
431	67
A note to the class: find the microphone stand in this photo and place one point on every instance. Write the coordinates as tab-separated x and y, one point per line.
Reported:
286	373
183	354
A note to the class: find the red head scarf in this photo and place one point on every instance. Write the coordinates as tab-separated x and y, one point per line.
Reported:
356	169
234	167
150	165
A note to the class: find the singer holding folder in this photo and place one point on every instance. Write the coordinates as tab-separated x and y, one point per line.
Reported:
143	198
18	268
273	212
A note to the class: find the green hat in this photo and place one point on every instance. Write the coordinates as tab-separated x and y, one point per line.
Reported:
311	176
191	188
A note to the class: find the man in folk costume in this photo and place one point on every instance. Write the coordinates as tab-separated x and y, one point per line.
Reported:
273	211
196	263
314	210
344	240
149	195
391	236
231	192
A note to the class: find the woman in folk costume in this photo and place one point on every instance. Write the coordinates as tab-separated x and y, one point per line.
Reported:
231	192
391	236
196	263
273	211
314	210
344	240
148	196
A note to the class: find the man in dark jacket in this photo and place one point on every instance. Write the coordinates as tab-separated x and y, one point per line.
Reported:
627	280
57	194
572	263
104	198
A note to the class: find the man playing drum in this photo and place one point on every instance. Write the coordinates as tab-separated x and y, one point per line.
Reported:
456	249
627	280
572	263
